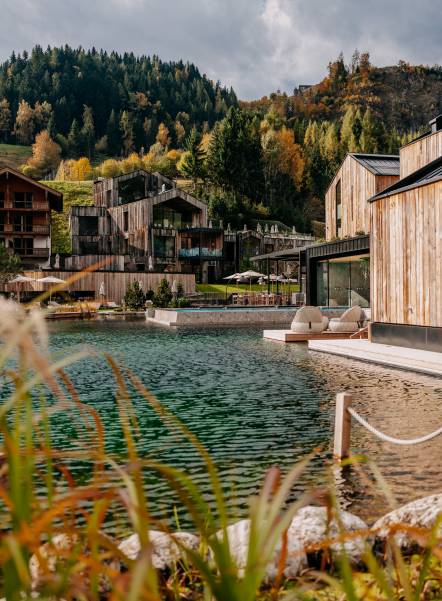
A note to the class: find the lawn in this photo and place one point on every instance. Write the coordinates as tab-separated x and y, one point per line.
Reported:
13	155
232	288
74	193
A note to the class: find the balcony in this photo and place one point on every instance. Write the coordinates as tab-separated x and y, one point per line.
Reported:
32	252
201	253
36	205
9	228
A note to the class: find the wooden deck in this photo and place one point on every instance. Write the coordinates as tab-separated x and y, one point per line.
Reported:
289	336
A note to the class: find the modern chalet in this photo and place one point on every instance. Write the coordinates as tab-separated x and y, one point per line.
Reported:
406	258
337	272
25	217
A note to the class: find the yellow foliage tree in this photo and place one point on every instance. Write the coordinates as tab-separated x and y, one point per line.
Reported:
131	163
163	135
110	168
81	170
45	155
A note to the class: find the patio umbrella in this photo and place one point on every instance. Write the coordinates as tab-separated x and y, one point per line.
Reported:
249	275
102	290
50	279
20	279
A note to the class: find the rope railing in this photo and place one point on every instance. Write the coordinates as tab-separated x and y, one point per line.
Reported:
343	415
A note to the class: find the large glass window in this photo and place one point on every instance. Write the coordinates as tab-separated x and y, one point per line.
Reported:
343	283
164	246
23	223
131	189
168	217
24	246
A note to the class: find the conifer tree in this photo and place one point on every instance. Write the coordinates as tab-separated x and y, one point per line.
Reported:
74	139
88	130
192	163
113	134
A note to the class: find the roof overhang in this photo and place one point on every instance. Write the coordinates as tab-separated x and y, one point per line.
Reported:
55	197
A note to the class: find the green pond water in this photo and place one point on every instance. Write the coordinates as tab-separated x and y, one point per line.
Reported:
253	403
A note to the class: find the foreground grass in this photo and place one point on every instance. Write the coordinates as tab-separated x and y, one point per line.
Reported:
40	498
74	193
14	155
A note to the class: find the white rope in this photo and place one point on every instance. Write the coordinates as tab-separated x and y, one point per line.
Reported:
386	438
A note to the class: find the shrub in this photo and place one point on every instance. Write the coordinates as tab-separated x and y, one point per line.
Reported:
134	298
164	295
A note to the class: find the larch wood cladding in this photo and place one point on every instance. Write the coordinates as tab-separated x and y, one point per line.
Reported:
358	184
115	283
406	257
420	153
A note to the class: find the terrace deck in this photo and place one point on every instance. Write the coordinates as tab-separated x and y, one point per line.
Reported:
289	336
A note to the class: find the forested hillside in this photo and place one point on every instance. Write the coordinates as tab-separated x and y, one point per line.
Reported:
117	101
91	114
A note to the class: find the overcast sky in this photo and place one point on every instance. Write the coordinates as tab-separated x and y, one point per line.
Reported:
256	46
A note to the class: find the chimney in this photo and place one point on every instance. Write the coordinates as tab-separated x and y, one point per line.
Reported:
436	124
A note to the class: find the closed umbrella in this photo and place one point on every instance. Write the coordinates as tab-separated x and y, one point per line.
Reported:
150	263
174	288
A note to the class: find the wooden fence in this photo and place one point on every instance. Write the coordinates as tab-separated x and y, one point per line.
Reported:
115	283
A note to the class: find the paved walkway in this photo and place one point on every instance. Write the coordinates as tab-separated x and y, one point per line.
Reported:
383	354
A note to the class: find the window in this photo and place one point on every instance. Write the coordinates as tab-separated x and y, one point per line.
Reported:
338	198
131	189
2	199
22	223
125	221
2	222
164	246
24	246
88	248
23	200
88	226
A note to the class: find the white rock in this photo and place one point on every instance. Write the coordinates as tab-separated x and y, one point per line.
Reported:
312	527
166	549
52	552
238	535
421	513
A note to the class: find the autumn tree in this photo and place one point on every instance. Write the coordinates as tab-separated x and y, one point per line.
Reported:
45	156
162	136
24	123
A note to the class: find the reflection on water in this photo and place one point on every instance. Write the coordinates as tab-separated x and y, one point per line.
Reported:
254	404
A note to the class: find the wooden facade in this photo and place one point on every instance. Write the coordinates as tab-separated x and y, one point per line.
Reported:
25	216
406	257
355	184
115	283
419	153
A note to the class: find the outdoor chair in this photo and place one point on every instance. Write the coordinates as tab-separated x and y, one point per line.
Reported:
309	320
350	321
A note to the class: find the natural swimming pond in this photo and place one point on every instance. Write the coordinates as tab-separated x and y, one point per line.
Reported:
254	404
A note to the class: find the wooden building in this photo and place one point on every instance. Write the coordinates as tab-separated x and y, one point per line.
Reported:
142	221
336	273
361	176
406	257
422	150
25	217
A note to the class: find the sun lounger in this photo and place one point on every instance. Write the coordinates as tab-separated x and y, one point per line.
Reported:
309	320
350	321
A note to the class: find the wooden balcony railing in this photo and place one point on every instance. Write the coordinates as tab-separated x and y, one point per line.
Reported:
32	252
9	228
37	205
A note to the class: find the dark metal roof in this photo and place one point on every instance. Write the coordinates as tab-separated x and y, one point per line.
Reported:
426	175
378	164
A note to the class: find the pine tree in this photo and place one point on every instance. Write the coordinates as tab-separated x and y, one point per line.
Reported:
74	139
192	163
5	120
88	130
134	298
163	296
113	135
368	140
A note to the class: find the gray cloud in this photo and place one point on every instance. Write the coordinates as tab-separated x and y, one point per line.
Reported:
256	46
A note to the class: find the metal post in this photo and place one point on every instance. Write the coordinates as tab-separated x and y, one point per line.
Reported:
268	275
341	447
